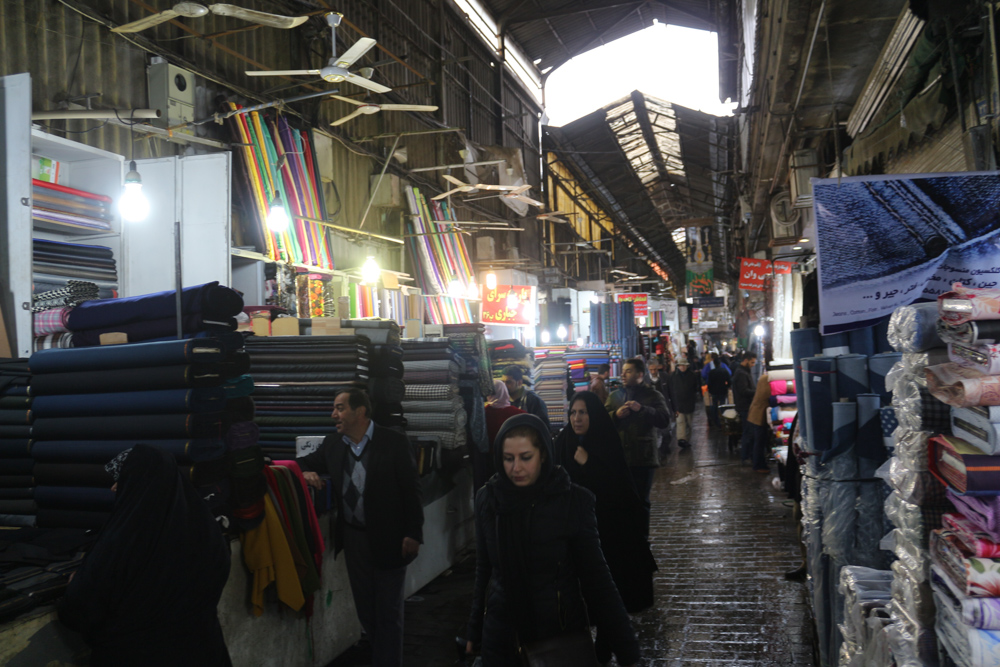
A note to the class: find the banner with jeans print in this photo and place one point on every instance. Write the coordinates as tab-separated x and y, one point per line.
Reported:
888	241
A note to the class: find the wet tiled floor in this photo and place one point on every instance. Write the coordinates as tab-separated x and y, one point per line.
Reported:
722	537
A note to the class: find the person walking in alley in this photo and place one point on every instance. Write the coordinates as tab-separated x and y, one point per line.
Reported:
761	424
522	397
685	390
638	411
718	380
743	393
538	557
599	384
379	525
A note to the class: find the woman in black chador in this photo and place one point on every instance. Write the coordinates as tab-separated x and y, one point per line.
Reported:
538	558
146	594
590	450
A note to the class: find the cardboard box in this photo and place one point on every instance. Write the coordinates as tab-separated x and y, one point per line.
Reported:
114	338
414	328
261	324
285	326
434	330
325	326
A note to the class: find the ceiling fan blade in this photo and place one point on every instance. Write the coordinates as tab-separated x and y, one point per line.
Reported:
446	194
353	114
529	200
408	107
351	56
498	188
519	189
452	179
284	72
148	22
365	83
261	18
348	100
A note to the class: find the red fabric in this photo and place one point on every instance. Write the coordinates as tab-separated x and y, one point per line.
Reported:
313	519
495	417
782	387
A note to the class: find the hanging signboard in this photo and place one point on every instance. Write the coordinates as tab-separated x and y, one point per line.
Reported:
710	302
639	299
753	273
685	318
670	310
783	268
700	280
887	241
500	308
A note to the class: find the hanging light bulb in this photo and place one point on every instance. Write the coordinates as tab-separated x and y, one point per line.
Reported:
594	298
546	337
473	292
758	331
512	300
370	272
491	280
561	332
456	288
277	216
579	342
133	205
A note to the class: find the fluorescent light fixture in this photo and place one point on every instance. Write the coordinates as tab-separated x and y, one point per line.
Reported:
133	205
803	240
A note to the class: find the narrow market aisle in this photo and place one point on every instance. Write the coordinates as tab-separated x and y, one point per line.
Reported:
722	538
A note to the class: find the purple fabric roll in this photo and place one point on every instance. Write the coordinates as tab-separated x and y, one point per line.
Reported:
242	435
982	511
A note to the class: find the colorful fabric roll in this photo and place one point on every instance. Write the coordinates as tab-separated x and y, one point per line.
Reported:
59	341
985	332
982	513
51	321
976	428
974	542
983	358
981	613
973	576
962	387
963	467
964	304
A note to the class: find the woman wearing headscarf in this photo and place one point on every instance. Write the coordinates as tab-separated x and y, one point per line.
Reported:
539	557
591	452
499	410
146	594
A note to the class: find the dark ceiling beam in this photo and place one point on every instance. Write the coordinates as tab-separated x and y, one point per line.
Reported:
513	17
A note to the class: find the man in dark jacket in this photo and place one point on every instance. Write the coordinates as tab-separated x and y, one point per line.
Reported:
379	516
638	411
718	387
521	397
743	392
660	381
685	386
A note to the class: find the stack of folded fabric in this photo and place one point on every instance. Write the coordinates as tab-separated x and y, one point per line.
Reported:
867	594
585	364
469	340
75	293
549	381
377	331
433	406
69	210
297	378
17	504
504	353
385	369
187	397
55	264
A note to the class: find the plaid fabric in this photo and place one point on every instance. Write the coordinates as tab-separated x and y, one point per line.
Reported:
448	439
75	293
51	321
449	406
429	377
431	392
935	415
437	365
53	341
431	421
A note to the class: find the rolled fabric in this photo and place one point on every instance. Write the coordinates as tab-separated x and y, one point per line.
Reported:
878	367
985	332
51	321
448	439
430	421
448	406
882	343
983	358
845	430
16	481
781	387
165	401
52	518
962	387
973	541
972	612
17	494
242	435
889	424
238	387
16	466
836	344
819	387
870	448
913	328
18	507
964	304
862	341
979	426
75	498
129	379
15	417
391	390
958	464
211	300
102	451
138	355
982	512
852	376
805	343
152	330
72	474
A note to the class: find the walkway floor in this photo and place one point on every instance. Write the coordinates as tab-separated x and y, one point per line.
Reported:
722	537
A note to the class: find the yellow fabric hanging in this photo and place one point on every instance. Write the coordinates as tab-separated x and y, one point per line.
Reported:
267	555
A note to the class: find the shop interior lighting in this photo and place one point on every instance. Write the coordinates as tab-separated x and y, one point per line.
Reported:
277	216
561	332
758	331
796	247
512	300
594	298
579	342
546	337
473	292
803	240
370	272
133	205
491	280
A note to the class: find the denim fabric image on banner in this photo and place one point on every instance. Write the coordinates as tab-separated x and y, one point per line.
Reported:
887	241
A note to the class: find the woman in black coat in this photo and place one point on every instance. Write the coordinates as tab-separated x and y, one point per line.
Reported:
539	555
591	452
146	594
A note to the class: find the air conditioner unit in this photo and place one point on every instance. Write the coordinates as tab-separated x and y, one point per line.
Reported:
486	248
786	220
803	165
388	193
171	90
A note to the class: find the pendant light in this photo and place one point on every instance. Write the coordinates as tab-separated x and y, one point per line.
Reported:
277	216
491	281
370	271
132	205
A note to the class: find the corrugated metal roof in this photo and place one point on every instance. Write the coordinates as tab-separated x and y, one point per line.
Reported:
558	30
655	166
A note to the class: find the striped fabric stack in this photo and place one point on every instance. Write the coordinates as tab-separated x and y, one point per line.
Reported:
549	381
385	377
434	410
65	209
584	363
504	353
470	342
17	493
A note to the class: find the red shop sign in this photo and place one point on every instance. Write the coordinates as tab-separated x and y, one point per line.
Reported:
640	301
783	268
753	273
498	309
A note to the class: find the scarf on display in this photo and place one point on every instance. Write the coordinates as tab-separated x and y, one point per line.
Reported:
962	387
514	513
500	398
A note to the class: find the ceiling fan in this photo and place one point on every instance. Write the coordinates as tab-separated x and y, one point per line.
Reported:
194	10
469	188
554	216
368	108
337	69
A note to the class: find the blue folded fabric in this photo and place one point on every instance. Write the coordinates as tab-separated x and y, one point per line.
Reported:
878	367
845	430
165	401
171	426
836	344
211	300
819	388
137	355
852	376
870	447
151	330
102	451
805	343
862	341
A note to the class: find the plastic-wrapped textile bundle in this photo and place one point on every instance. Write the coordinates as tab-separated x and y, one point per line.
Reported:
818	563
913	328
865	591
962	387
878	368
984	332
919	487
911	594
919	410
819	390
917	559
805	344
979	426
910	644
914	521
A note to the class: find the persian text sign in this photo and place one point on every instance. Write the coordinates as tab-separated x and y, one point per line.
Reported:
640	300
783	268
753	273
700	279
499	309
